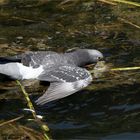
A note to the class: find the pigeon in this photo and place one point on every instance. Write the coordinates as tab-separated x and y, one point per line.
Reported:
64	71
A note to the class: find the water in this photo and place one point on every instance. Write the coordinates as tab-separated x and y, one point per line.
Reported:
109	109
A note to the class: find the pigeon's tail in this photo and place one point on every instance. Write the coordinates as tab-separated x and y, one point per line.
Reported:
11	70
4	60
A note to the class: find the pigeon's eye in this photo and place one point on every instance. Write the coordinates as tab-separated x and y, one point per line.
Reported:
99	58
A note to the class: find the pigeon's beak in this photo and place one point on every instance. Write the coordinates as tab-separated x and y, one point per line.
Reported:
98	59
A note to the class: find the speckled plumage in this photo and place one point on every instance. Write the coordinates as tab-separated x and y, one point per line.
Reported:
63	71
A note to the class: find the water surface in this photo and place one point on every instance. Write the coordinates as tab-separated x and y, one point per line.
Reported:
110	108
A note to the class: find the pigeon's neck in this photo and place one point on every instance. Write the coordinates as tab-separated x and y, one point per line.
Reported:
78	58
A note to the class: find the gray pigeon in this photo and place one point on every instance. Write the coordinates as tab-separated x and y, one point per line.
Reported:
63	70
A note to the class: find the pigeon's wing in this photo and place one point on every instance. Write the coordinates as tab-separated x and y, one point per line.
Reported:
65	80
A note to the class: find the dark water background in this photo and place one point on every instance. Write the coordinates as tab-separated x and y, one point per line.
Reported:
110	108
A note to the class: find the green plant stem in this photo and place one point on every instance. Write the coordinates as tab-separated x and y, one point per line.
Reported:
44	127
29	103
124	69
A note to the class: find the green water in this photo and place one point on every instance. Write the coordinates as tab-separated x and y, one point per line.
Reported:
110	107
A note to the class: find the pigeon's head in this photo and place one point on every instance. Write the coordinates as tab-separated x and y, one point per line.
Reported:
94	55
87	56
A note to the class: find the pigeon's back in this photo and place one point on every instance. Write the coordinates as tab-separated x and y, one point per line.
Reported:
35	59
